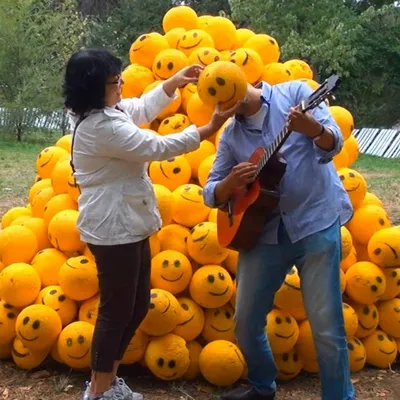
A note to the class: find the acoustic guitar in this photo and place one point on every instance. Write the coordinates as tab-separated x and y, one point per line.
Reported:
241	222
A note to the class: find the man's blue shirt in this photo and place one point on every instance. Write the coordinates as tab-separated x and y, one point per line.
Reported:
312	196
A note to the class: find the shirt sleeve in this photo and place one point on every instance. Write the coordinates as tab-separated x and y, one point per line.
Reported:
120	139
223	164
324	117
145	109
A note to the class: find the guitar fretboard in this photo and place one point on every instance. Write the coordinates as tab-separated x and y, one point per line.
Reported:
276	144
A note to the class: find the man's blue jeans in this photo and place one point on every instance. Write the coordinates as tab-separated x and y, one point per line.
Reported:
260	274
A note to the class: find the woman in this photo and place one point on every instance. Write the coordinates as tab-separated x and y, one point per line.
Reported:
118	208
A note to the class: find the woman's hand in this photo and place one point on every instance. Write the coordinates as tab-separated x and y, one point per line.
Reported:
181	78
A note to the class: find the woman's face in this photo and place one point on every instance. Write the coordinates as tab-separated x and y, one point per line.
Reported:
113	90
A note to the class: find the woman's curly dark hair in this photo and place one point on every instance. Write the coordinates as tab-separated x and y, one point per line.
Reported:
86	75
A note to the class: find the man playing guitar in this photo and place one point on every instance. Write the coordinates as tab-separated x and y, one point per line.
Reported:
304	230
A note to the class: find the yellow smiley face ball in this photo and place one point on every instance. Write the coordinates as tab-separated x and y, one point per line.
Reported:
74	344
381	349
188	207
211	286
289	365
223	32
266	46
250	62
194	39
170	271
89	310
8	316
47	160
136	78
168	62
173	124
204	56
384	247
222	83
174	237
26	358
219	324
179	17
167	357
38	327
191	321
136	348
47	264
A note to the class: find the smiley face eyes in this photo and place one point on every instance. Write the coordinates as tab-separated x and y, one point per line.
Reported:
195	34
69	342
292	271
26	320
381	338
211	278
200	192
171	364
36	324
351	175
52	292
365	310
61	298
10	315
350	346
84	261
81	339
153	295
143	37
185	306
221	276
220	81
176	170
170	66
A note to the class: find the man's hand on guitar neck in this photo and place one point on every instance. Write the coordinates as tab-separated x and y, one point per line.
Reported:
241	175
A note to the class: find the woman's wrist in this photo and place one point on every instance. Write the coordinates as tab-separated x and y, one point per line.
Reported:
170	86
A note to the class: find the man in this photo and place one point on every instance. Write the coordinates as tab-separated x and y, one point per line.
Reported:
304	230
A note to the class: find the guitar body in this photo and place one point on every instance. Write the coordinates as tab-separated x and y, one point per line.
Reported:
251	208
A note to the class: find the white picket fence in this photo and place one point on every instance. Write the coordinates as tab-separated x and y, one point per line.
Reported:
378	142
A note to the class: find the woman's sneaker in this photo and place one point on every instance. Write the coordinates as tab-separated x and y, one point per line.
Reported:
121	387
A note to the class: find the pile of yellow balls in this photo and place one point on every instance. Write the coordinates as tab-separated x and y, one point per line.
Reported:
48	280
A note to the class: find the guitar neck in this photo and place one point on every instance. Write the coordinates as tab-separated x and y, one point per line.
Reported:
273	149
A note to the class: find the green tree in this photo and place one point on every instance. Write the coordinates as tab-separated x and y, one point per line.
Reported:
36	40
125	23
210	7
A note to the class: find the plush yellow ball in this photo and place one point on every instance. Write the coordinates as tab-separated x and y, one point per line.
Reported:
74	344
38	327
170	271
136	78
36	187
289	365
357	354
211	286
136	348
193	372
60	176
299	69
366	221
305	347
231	261
163	315
194	39
47	264
173	36
204	56
6	351
63	233
19	285
173	124
168	62
89	310
198	112
366	282
352	148
8	316
14	213
60	202
350	320
250	62
221	363
381	349
155	245
203	245
205	168
371	198
242	36
355	185
196	157
344	119
78	278
145	48
40	200
282	330
188	207
289	297
55	298
25	358
170	173
368	319
389	317
17	244
347	242
361	250
174	237
47	160
384	247
65	142
341	160
179	17
222	83
266	46
191	321
222	31
170	109
187	92
167	357
38	227
164	202
392	284
219	324
20	220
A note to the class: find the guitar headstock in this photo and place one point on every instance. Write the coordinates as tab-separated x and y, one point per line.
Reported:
319	95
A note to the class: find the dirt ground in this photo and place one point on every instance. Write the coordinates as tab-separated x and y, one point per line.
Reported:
55	382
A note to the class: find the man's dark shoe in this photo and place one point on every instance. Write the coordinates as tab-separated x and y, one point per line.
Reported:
246	393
